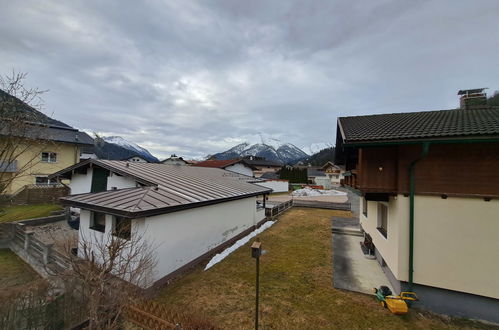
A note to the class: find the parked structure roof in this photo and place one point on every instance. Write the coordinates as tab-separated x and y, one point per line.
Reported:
425	125
166	188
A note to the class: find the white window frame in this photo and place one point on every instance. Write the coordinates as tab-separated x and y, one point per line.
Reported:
51	182
382	228
51	157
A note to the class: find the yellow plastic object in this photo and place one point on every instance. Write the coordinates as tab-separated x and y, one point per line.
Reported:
409	296
396	305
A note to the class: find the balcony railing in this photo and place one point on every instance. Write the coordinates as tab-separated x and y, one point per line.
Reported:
8	167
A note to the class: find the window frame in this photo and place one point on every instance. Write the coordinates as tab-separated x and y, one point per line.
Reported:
51	157
122	233
382	222
97	227
365	205
51	182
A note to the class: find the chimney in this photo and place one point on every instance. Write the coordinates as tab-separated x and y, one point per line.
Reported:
472	98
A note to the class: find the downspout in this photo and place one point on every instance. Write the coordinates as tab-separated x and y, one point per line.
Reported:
424	153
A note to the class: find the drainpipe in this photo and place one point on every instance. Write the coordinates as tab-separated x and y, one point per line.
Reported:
424	153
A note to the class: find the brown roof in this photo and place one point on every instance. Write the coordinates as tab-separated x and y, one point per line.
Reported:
217	163
168	188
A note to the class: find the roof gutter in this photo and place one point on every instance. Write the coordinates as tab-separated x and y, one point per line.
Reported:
412	142
424	153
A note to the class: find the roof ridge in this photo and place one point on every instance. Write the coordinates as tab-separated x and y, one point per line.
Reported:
424	111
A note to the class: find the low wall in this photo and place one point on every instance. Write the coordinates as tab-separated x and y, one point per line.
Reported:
40	256
275	185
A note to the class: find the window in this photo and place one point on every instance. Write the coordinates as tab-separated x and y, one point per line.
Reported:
49	157
43	181
383	219
122	227
98	221
364	206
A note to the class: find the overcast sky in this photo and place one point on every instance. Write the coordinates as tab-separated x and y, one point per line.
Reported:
197	77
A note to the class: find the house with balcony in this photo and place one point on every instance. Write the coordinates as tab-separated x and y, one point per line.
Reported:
429	187
187	213
37	147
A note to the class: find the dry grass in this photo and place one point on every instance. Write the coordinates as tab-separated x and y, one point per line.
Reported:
14	271
22	212
296	285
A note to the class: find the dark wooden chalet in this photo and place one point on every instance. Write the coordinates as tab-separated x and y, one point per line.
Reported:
446	152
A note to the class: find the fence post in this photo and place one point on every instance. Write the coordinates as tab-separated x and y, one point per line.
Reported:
47	249
27	238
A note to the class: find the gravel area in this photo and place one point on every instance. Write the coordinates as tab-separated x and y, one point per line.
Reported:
54	233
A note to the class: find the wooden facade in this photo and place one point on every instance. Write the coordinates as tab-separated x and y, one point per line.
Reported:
468	169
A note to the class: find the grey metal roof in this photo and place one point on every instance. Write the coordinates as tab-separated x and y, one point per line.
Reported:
168	188
40	126
457	123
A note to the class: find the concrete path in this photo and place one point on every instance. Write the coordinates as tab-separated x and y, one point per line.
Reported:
351	270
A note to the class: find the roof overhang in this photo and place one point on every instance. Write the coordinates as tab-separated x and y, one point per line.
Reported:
157	211
67	172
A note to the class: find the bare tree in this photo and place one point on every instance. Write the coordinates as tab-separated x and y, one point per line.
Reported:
22	129
111	271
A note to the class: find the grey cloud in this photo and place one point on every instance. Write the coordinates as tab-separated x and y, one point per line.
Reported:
196	77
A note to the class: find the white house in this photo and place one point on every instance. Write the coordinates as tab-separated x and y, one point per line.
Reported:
333	172
188	212
175	160
136	159
233	165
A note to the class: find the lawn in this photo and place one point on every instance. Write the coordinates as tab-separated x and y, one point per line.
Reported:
14	271
21	212
296	285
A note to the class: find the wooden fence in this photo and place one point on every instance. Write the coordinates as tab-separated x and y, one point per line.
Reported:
153	316
36	194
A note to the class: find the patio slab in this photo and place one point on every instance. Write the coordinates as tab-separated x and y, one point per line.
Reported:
351	270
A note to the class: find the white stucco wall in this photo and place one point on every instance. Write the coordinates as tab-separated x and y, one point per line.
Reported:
455	242
275	185
174	162
323	181
183	236
120	182
240	168
137	160
81	183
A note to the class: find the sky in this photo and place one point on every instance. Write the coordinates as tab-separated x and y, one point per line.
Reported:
198	77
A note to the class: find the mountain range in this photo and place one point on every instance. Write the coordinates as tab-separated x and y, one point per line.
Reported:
274	150
117	148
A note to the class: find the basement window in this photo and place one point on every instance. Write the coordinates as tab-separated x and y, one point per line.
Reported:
383	219
98	222
122	227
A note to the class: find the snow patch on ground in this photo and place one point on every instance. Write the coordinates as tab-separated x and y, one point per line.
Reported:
317	192
222	255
